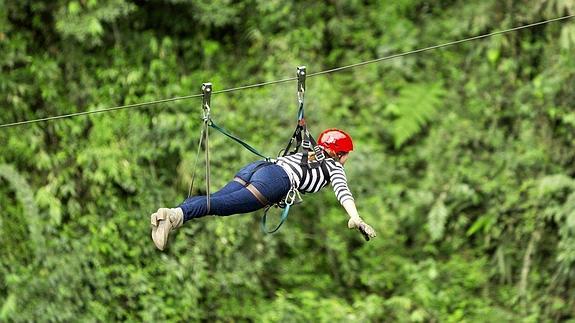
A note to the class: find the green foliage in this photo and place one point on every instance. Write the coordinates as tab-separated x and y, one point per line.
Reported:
84	20
416	105
463	161
25	196
437	218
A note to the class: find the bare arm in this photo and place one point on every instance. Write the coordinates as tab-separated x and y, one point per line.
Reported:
349	206
344	196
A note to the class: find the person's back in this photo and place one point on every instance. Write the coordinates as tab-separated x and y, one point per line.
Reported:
311	180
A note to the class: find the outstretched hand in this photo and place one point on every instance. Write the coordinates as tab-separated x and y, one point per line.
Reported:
366	230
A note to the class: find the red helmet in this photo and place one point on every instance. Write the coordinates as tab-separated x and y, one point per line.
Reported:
337	140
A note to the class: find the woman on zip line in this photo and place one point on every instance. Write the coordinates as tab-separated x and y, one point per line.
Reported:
264	183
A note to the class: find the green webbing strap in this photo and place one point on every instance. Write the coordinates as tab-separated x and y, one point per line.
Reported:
284	216
238	140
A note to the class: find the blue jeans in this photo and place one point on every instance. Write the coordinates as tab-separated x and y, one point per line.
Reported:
270	179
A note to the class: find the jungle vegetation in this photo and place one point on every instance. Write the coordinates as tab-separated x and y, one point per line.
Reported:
464	161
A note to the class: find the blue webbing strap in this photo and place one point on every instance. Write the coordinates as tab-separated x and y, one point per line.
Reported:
284	217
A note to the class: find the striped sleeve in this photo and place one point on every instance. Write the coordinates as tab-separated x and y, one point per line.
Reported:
339	182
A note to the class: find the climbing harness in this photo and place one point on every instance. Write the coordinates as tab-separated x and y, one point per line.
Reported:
285	204
312	154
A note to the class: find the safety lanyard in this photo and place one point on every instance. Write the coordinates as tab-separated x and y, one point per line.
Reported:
206	102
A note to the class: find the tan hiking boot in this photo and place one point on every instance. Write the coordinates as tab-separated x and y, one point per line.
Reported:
163	222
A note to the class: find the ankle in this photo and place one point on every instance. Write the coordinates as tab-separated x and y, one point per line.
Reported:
176	217
178	211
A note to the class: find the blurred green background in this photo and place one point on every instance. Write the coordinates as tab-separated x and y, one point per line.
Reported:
464	161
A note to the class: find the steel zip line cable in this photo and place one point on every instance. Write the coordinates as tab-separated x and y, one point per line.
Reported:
337	69
76	114
333	70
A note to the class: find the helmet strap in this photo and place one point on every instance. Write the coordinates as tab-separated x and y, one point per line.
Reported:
331	153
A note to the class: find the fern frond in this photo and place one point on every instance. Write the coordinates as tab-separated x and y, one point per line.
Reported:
437	218
416	105
568	211
25	195
551	184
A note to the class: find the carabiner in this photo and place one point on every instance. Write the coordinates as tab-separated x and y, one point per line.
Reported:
301	74
206	100
291	195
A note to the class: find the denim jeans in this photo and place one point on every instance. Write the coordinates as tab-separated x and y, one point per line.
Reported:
270	179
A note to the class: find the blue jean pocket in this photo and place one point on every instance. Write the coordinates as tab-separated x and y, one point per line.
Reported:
247	171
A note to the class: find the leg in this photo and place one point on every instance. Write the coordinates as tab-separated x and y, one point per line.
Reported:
227	189
166	220
240	201
271	181
245	174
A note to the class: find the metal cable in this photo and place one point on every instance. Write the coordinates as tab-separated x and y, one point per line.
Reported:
333	70
337	69
128	106
289	79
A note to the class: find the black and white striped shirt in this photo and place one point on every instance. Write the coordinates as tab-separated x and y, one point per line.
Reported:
315	179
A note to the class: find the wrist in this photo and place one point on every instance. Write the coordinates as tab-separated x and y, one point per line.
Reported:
355	217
